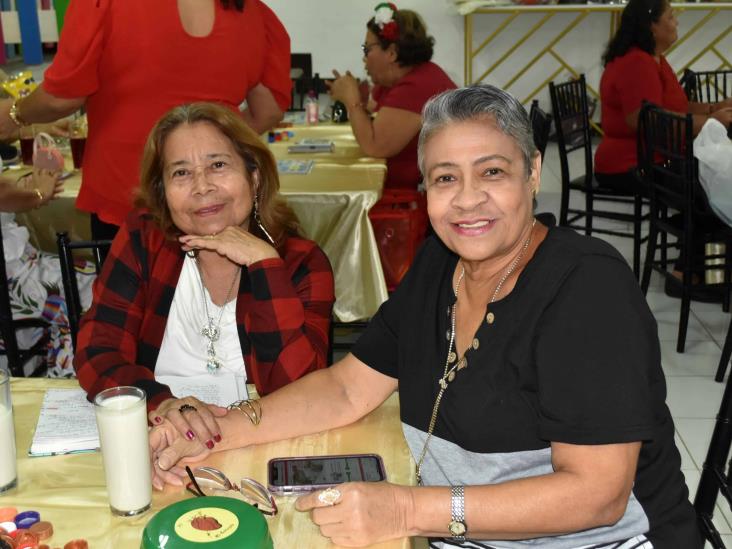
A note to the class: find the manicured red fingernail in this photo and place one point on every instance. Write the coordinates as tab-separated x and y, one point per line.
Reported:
217	438
190	435
209	444
158	419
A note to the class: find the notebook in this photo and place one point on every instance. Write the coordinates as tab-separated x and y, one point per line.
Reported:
66	424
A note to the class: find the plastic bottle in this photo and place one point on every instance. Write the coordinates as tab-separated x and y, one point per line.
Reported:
311	108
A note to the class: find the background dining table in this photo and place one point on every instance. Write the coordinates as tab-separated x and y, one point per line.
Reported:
332	202
69	490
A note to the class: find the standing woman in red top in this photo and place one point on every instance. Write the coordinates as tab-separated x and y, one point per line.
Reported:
636	70
130	61
397	53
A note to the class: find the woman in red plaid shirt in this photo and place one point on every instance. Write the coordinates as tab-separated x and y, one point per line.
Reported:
210	278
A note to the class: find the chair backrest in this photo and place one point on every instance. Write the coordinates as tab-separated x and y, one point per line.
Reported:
17	357
707	86
7	328
301	69
666	159
572	122
66	248
541	124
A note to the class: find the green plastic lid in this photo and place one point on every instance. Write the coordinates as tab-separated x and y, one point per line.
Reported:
211	522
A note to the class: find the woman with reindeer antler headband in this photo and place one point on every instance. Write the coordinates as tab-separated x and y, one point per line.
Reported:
397	53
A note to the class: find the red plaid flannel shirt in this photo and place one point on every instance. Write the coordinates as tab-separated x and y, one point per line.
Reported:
283	313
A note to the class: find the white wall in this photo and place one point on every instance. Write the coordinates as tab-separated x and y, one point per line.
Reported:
333	31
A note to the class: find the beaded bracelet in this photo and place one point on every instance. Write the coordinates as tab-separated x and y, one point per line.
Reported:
250	408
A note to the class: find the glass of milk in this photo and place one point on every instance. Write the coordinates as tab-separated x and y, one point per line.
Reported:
122	421
8	472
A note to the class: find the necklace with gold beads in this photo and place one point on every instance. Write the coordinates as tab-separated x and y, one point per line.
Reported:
452	364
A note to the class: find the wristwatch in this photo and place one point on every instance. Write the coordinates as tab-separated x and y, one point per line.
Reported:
457	525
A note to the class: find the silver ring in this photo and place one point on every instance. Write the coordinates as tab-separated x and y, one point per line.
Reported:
329	496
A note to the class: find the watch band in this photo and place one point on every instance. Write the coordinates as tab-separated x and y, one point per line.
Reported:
457	525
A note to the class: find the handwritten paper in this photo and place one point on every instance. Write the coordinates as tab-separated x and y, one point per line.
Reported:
66	424
221	389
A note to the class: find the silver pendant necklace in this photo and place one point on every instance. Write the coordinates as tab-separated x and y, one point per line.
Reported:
449	373
210	330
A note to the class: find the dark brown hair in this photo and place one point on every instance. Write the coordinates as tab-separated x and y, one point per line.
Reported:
413	45
635	28
276	216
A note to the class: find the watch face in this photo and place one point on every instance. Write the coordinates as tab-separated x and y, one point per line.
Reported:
457	528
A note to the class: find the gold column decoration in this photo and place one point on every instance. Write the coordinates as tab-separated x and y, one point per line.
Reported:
547	72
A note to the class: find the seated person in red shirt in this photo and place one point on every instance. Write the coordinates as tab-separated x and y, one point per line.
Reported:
397	54
636	70
211	278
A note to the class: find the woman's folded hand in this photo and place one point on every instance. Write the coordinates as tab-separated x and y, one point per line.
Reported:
194	420
169	452
238	245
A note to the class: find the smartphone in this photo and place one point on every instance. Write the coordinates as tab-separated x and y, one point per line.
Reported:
296	475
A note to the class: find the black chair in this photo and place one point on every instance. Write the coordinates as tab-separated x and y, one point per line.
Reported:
301	71
713	479
541	124
667	164
343	340
66	249
18	357
572	123
707	86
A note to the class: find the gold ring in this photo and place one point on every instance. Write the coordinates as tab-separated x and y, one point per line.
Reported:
329	496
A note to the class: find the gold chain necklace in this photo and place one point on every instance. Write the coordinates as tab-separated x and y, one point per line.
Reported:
449	373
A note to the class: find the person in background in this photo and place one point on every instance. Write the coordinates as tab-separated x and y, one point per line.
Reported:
636	71
533	420
211	278
34	277
397	52
127	62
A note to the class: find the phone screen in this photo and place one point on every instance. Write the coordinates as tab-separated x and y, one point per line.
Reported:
304	473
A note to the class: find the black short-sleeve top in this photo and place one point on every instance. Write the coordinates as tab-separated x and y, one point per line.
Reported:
570	355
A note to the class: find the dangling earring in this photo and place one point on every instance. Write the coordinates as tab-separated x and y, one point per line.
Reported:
259	221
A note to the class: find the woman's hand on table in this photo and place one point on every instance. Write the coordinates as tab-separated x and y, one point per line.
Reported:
194	420
234	243
365	513
345	88
169	452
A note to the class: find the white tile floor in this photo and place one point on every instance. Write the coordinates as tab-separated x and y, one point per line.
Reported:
693	395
